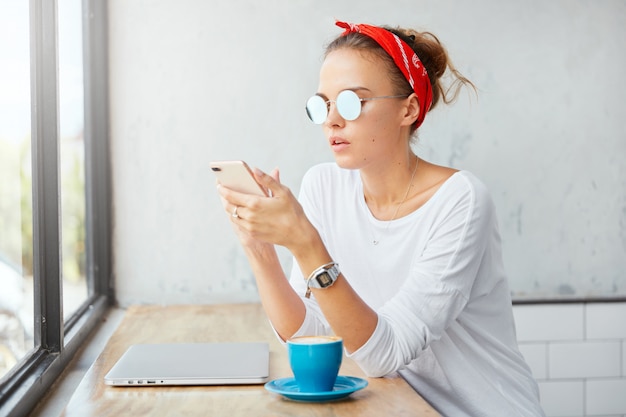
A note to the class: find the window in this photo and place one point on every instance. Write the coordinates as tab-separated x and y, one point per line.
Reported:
54	197
16	288
71	154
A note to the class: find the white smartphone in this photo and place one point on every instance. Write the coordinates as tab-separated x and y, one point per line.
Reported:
238	176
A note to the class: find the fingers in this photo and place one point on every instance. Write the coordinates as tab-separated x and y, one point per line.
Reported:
235	198
269	182
276	174
251	211
232	201
235	214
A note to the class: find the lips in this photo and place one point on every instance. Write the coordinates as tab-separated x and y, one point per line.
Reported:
338	143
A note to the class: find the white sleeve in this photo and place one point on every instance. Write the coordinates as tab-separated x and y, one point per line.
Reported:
438	288
314	321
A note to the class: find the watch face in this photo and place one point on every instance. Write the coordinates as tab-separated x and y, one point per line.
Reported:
324	280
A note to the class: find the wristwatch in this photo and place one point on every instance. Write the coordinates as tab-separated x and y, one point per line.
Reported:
322	277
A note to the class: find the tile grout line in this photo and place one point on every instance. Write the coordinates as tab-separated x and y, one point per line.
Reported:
622	359
584	318
584	397
584	322
547	365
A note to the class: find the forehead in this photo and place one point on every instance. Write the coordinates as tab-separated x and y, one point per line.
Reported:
350	68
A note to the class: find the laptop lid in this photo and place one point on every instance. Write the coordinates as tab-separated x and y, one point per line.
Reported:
191	364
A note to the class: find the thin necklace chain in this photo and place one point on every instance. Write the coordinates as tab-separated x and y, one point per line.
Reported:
377	241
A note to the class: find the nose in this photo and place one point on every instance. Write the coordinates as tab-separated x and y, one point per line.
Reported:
333	118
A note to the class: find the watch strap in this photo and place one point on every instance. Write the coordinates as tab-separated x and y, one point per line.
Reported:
322	277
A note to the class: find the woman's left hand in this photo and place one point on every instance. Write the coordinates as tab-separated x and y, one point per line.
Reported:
278	219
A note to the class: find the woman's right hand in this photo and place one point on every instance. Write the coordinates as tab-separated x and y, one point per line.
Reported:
231	201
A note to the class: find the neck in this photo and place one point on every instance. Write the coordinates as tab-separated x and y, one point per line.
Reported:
385	190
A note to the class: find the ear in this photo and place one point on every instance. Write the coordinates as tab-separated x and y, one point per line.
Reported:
411	110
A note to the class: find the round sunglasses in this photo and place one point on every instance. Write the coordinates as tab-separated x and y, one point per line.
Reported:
348	105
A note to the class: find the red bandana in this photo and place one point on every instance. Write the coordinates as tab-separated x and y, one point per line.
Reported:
412	69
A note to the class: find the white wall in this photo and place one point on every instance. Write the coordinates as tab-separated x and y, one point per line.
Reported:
577	353
193	80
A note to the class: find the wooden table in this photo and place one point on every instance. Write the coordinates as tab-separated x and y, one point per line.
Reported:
390	396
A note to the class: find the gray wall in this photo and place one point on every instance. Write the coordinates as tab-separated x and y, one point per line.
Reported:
193	81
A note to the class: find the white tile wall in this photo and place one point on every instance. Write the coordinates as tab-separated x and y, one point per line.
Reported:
623	357
536	356
606	321
606	397
549	322
577	353
562	398
585	359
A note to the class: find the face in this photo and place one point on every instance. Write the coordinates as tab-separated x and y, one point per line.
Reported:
381	132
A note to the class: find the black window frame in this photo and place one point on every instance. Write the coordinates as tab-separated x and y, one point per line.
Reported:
56	340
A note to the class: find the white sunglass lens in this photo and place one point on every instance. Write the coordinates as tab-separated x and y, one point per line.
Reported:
348	105
316	109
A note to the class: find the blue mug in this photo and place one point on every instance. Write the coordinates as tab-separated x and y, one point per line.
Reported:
315	361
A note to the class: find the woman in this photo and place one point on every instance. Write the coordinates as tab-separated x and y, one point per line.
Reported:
398	256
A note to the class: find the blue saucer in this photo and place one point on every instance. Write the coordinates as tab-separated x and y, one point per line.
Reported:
344	386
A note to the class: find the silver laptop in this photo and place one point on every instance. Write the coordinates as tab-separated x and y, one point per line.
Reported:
191	364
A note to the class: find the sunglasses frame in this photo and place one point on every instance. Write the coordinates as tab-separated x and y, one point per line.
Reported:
314	105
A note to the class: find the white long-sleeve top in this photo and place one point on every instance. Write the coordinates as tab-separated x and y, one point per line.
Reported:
437	282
